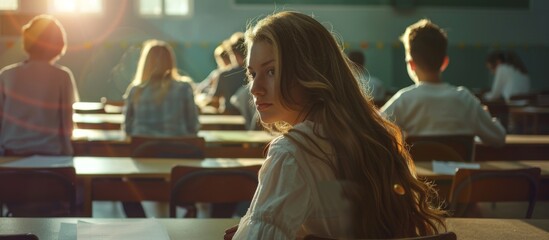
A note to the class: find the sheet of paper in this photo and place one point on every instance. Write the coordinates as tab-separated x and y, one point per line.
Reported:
67	231
41	161
450	168
135	230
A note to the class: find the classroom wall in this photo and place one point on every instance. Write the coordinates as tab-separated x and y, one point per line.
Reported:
98	43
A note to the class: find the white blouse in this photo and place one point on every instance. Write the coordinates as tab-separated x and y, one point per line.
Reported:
508	82
298	193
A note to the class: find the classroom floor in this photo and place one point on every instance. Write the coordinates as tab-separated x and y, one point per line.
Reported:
104	209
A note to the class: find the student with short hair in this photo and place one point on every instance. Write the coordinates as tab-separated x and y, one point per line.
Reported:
372	85
339	169
431	106
36	95
232	79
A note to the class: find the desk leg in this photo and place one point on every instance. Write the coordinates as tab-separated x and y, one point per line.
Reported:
87	192
535	124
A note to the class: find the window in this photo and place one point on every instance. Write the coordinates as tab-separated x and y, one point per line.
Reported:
9	5
76	6
165	7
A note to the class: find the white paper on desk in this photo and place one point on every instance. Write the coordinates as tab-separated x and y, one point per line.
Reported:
135	230
450	168
42	161
67	231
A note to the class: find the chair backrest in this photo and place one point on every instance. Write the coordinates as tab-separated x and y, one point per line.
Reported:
161	147
542	100
423	151
213	185
20	236
440	236
483	185
464	145
28	191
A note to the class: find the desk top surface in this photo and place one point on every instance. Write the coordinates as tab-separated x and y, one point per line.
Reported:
425	169
125	166
255	136
119	118
472	228
151	167
211	136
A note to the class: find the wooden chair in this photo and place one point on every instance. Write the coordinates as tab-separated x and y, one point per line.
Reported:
482	185
429	151
38	192
19	236
137	188
190	185
464	145
168	147
440	236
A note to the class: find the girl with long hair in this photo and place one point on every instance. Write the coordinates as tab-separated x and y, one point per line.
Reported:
339	169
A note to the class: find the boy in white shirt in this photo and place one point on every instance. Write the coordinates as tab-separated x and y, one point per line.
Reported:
430	106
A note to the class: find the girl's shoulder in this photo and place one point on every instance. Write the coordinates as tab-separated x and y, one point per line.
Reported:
303	140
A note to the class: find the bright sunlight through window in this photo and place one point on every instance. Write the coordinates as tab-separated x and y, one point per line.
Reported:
164	7
77	6
9	5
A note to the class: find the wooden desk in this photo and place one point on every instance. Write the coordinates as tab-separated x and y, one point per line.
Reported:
206	229
525	147
444	182
527	113
114	121
88	107
89	169
219	143
92	168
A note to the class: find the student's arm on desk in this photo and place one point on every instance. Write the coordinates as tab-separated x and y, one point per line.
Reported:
488	129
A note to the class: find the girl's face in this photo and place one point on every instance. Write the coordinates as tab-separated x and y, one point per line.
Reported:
264	85
491	67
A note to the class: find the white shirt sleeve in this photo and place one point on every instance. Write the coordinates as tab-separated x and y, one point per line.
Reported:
281	202
488	129
501	78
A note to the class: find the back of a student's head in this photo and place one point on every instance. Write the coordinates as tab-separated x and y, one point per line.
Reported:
508	57
357	57
157	61
221	56
44	38
237	44
426	44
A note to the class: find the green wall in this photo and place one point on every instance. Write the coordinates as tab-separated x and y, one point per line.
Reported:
96	44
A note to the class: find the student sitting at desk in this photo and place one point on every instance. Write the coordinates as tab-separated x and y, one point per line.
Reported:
36	95
510	76
340	170
160	102
230	79
430	106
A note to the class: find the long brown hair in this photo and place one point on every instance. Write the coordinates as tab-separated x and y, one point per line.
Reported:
157	66
371	152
